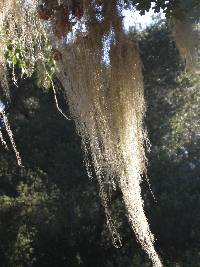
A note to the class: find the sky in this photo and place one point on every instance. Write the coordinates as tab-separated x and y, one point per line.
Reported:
133	17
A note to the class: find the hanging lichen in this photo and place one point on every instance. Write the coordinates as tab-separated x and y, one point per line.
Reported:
23	42
105	97
107	103
3	141
22	39
187	41
10	134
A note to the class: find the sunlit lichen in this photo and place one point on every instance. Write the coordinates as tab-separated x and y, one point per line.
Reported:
105	99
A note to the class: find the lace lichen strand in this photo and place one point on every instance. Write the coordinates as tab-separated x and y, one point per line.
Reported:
107	104
129	108
3	141
57	104
21	28
10	134
82	78
187	38
105	100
